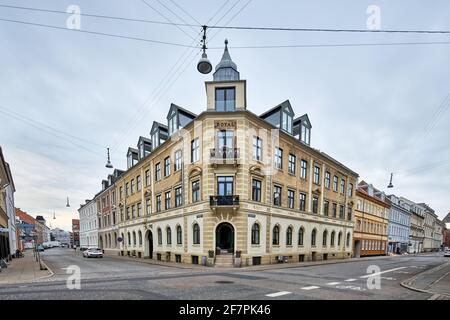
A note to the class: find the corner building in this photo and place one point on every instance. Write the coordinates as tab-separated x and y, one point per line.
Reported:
228	187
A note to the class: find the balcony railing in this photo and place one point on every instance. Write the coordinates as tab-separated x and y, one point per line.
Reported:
224	153
217	201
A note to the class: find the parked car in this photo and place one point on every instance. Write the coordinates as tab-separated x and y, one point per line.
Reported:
447	252
40	248
93	252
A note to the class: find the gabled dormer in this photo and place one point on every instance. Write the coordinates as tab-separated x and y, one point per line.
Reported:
302	129
132	157
104	184
117	173
177	118
144	147
159	134
226	93
280	116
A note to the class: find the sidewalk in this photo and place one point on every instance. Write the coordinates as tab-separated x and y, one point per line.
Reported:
22	270
435	281
251	268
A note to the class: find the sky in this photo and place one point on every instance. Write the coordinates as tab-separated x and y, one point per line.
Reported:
66	95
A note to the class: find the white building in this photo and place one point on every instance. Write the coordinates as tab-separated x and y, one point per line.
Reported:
11	212
88	224
60	235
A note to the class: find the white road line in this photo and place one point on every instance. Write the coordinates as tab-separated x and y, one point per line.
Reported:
332	283
350	280
310	288
277	294
378	273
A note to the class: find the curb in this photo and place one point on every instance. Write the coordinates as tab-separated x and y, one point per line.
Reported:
408	283
48	269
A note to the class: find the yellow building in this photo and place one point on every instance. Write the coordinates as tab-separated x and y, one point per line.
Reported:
372	219
228	187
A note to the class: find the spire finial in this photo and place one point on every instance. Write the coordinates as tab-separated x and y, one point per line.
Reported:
226	43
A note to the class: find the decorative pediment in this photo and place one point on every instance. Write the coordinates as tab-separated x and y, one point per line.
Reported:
195	171
256	170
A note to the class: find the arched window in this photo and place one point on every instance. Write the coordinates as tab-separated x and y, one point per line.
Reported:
324	238
332	238
289	236
339	238
276	235
115	240
255	233
179	235
301	231
196	234
313	237
134	238
123	238
348	240
169	235
159	236
129	239
140	237
109	240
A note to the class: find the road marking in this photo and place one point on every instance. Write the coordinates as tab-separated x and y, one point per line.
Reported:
332	283
277	294
310	288
381	272
350	280
351	288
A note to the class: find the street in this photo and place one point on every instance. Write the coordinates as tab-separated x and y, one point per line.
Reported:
115	278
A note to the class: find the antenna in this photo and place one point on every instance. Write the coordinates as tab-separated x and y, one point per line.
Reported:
390	185
67	204
108	162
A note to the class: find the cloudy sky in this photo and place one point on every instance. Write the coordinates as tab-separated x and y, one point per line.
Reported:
66	95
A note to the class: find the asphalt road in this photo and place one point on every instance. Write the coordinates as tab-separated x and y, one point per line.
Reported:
112	278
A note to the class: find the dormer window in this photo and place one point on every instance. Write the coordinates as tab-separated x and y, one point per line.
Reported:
155	139
172	122
286	121
132	157
225	99
306	134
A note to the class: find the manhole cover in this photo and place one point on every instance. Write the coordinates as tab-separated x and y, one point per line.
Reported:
224	281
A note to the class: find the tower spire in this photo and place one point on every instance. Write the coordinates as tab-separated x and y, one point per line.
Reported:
226	70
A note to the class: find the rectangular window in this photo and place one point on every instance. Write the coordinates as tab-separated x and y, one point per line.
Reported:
139	209
349	214
335	183
158	171
225	185
350	189
167	200
341	212
166	166
138	183
316	179
315	204
194	150
158	203
133	211
196	191
127	189
178	197
278	158
257	148
147	178
342	186
290	199
256	190
334	210
128	213
291	164
326	206
120	193
148	206
225	99
225	142
304	169
178	160
302	201
327	180
277	196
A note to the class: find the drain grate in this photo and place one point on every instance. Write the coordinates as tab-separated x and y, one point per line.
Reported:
224	281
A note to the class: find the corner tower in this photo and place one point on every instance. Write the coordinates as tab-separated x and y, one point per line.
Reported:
226	92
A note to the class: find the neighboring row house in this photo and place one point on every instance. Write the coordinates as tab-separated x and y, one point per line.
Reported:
88	224
399	225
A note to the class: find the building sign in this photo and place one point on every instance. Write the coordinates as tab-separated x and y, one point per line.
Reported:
223	125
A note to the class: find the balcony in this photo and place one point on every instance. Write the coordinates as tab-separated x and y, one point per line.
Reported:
224	202
224	156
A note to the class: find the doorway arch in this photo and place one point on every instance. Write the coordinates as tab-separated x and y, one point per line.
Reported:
225	237
149	244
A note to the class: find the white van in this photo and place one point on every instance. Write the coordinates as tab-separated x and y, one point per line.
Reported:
447	252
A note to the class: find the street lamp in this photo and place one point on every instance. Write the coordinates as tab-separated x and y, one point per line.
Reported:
204	65
390	185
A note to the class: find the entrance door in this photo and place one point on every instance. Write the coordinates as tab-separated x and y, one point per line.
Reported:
357	249
225	237
150	245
